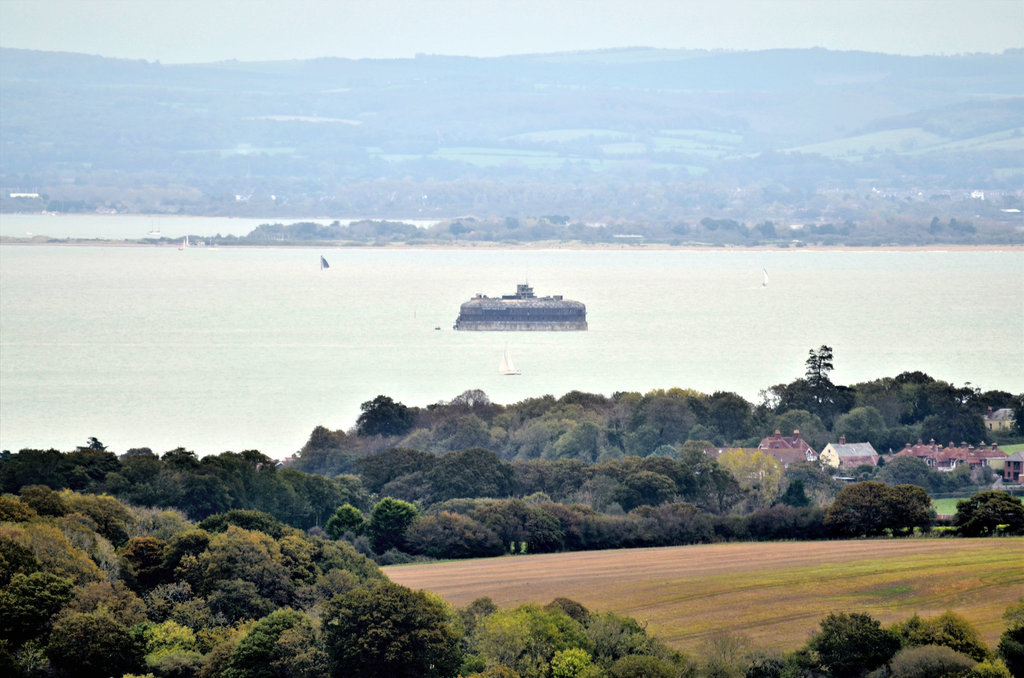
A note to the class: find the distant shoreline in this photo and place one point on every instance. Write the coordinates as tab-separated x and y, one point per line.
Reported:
46	241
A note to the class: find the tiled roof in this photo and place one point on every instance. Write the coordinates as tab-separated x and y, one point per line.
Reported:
781	442
854	449
950	454
853	461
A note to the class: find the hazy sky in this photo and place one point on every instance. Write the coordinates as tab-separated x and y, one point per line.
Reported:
213	30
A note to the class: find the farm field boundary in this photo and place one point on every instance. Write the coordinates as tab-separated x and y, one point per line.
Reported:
773	593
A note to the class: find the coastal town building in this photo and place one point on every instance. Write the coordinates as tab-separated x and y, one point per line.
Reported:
1013	467
787	449
999	421
949	457
844	455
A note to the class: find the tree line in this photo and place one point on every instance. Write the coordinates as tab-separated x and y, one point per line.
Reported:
888	412
471	478
94	587
867	230
404	503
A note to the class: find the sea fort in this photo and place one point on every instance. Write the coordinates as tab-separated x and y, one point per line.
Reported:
522	311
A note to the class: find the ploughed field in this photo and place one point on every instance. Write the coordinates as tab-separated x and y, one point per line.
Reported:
774	593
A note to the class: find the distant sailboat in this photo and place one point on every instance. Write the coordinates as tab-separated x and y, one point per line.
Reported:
184	244
764	282
507	367
323	263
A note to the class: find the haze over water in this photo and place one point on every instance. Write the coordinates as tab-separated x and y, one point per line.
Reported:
232	349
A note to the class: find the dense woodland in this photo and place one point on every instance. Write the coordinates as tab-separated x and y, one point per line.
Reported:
93	587
233	565
472	478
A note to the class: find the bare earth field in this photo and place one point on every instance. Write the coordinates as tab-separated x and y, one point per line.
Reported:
773	593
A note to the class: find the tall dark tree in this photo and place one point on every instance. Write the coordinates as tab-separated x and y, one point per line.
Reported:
827	400
383	416
819	364
388	522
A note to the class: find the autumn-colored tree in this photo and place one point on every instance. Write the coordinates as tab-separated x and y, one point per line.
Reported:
756	472
526	638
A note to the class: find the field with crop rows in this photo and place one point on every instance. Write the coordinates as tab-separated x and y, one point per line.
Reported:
773	593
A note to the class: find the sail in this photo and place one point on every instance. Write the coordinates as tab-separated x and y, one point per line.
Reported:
764	283
323	263
507	367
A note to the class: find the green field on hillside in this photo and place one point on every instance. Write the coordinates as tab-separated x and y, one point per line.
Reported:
947	506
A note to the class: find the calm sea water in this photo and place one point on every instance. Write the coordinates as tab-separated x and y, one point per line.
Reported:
232	349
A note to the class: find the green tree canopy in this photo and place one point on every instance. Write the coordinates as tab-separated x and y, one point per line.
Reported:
94	645
268	649
986	511
872	507
930	661
346	518
1011	642
29	602
526	638
385	417
388	522
948	630
388	631
851	645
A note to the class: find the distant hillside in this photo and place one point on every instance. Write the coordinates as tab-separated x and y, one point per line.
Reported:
442	136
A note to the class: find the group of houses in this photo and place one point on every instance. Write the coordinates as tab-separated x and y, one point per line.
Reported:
844	456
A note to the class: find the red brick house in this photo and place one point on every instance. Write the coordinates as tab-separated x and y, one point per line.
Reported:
1013	468
951	456
787	449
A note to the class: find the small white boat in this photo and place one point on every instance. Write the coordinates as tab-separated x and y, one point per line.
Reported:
507	367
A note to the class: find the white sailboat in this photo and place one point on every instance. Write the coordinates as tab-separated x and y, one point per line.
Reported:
184	244
764	283
507	367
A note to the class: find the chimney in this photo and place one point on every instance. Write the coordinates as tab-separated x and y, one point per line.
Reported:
842	440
